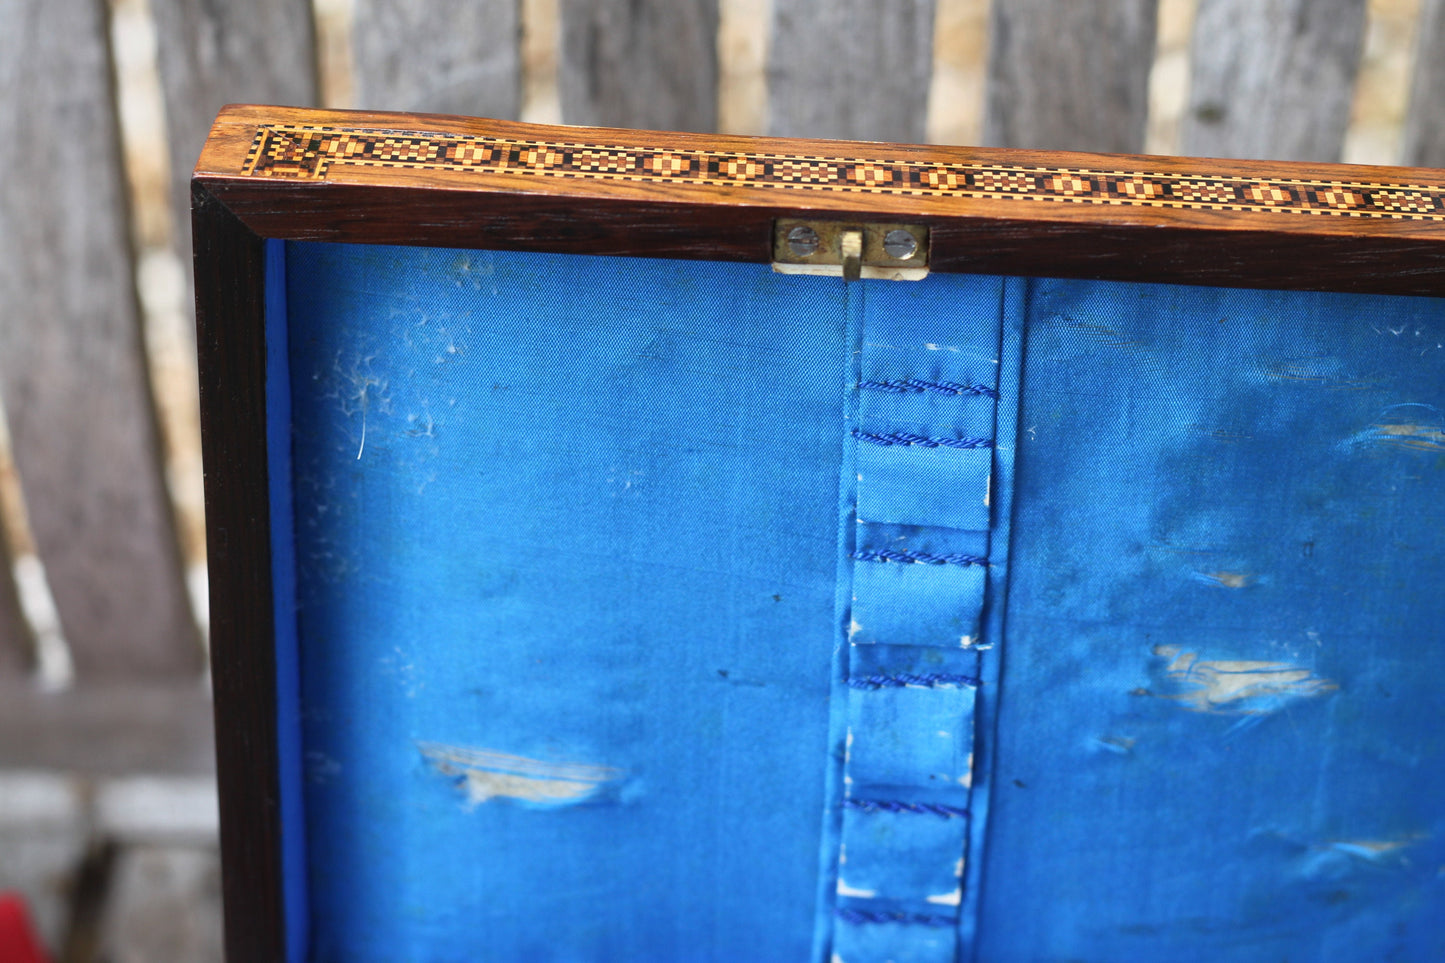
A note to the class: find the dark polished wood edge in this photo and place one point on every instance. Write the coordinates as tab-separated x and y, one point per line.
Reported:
234	214
655	218
231	340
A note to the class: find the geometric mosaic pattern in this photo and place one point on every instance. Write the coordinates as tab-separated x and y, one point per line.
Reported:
309	152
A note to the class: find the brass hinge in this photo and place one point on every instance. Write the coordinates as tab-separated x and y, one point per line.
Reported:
888	252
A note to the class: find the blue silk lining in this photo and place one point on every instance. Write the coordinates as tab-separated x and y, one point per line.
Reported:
928	381
289	749
567	531
675	611
1219	735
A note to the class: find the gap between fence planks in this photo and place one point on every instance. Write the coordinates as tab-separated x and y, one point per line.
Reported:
207	54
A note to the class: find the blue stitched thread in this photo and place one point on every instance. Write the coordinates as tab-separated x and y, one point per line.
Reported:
894	806
848	915
873	683
912	385
919	558
923	441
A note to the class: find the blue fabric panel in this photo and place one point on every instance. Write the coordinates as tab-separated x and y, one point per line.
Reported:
914	485
829	850
581	544
1014	313
928	376
567	531
1219	733
915	334
898	943
893	855
914	604
289	751
912	735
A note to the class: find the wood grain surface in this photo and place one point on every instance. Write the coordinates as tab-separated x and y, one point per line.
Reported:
70	360
447	56
845	69
1273	78
1065	74
1085	215
639	63
230	319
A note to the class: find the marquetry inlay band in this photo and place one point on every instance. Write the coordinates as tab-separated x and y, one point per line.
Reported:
310	152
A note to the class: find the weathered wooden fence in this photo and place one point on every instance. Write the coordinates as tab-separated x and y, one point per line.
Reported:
105	106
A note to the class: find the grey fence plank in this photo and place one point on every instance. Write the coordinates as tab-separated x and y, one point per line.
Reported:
15	642
639	63
107	727
208	54
439	56
212	54
70	361
1273	79
1424	136
1069	75
850	69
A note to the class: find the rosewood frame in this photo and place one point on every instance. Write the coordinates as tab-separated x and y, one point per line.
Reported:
291	174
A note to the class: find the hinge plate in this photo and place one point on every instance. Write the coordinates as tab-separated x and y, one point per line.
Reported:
850	250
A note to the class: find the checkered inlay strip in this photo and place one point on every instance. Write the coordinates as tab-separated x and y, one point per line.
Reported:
309	152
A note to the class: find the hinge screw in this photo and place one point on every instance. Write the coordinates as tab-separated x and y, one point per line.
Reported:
803	241
900	244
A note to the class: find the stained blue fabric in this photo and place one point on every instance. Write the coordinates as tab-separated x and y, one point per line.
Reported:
568	538
888	597
894	855
624	636
569	545
920	731
1219	735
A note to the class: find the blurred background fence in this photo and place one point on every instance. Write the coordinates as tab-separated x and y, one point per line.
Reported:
107	815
